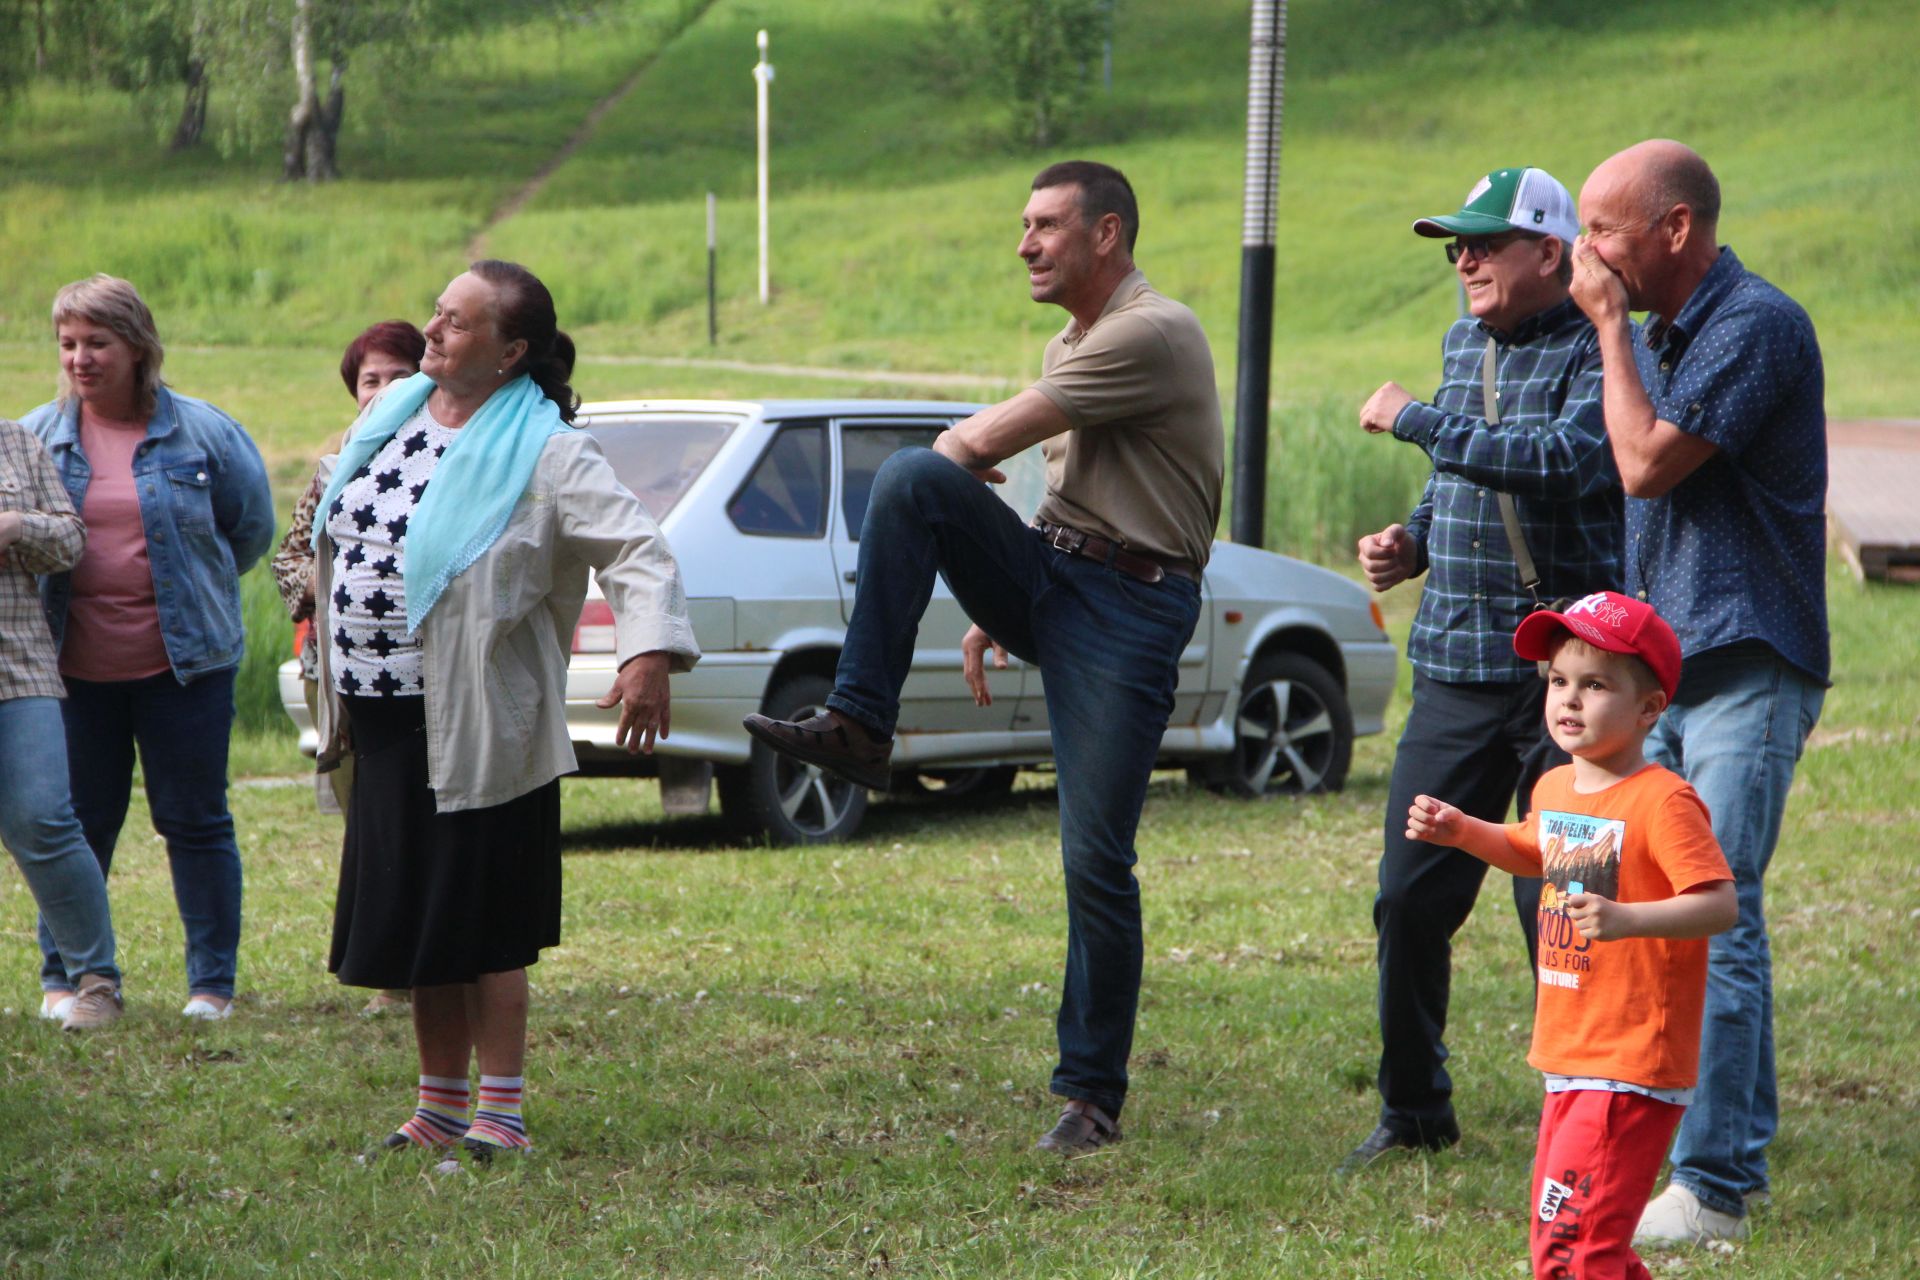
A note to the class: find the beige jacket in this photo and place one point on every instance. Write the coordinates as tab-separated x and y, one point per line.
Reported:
495	646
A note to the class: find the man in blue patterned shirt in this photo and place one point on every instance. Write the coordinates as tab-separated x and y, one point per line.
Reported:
1716	413
1476	728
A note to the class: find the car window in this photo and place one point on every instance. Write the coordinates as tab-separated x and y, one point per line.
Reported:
1026	484
863	447
786	496
660	458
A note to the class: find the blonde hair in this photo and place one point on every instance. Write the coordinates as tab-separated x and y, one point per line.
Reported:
113	303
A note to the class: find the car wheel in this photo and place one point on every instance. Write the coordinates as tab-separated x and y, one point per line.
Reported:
1293	732
790	802
982	782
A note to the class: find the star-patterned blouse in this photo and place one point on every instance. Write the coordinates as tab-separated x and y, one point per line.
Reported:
375	657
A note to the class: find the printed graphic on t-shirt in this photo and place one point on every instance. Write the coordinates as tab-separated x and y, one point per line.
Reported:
1579	854
1579	850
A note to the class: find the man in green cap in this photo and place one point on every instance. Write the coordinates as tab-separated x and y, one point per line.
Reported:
1523	507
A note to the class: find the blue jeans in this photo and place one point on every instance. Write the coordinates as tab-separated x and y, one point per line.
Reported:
1735	732
1108	648
38	827
181	731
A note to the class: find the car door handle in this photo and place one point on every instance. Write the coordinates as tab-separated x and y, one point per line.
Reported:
850	575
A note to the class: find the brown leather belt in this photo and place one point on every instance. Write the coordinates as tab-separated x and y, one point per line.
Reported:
1078	542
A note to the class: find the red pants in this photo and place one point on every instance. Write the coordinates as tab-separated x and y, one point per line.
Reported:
1593	1173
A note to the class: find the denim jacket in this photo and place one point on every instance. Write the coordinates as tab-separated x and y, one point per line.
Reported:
208	514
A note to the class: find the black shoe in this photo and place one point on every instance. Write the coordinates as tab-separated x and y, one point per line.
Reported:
844	747
484	1153
395	1141
1080	1133
1433	1135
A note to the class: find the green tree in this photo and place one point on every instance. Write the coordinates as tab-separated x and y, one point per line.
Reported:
281	64
1042	53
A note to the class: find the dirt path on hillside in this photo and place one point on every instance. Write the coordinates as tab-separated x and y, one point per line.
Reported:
477	247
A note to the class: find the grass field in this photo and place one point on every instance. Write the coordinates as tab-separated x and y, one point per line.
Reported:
830	1062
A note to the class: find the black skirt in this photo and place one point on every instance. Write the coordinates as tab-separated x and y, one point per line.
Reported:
429	898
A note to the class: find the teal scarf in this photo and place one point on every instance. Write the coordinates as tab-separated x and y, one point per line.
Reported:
475	487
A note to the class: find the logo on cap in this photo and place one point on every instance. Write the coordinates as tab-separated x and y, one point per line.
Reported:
1604	611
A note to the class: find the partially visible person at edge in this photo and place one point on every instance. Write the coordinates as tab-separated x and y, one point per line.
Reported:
1475	732
451	556
41	533
1716	414
1101	592
148	623
383	353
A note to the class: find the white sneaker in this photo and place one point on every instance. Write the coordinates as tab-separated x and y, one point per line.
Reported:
58	1010
206	1010
1676	1217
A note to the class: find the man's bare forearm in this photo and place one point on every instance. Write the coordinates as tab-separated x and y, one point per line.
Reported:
1630	416
999	431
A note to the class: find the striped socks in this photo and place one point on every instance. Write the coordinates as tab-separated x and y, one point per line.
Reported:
497	1121
440	1119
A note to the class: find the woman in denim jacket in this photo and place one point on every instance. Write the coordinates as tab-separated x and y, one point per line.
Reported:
148	624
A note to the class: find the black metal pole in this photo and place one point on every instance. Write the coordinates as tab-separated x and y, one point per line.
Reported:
1250	400
713	300
1266	73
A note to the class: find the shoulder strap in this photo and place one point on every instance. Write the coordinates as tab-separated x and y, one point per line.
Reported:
1509	515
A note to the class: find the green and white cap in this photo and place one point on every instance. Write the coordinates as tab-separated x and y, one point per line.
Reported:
1510	200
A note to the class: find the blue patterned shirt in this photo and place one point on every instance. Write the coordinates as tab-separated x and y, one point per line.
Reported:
1737	551
1549	450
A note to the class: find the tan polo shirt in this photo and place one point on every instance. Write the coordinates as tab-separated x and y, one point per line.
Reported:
1143	464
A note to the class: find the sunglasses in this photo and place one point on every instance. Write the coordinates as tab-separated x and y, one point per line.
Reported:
1482	247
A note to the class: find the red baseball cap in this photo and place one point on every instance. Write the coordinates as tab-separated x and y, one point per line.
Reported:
1607	620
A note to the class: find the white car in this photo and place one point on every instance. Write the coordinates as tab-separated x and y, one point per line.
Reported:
762	502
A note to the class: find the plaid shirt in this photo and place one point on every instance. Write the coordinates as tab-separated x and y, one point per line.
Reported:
51	539
1550	451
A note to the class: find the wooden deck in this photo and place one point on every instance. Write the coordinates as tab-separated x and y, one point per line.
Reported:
1873	496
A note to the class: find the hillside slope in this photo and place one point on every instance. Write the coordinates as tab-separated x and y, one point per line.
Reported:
897	189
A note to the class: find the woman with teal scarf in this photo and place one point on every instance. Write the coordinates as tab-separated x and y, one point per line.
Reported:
452	545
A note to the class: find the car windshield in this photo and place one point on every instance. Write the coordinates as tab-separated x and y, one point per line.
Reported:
660	457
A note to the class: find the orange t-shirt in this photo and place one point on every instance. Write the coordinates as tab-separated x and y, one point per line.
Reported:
1625	1010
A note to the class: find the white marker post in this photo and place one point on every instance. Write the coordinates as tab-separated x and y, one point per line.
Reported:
762	77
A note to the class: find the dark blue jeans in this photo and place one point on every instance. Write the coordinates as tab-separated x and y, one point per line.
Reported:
1480	747
1108	648
181	731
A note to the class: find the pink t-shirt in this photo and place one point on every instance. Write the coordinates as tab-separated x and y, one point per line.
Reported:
113	624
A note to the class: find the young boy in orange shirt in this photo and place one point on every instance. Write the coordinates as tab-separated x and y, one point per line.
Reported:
1635	884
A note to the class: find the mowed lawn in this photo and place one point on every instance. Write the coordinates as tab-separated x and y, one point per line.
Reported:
832	1061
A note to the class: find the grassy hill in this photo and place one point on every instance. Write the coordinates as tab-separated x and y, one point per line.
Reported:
897	190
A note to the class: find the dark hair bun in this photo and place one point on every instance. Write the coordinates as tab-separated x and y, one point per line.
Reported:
523	309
